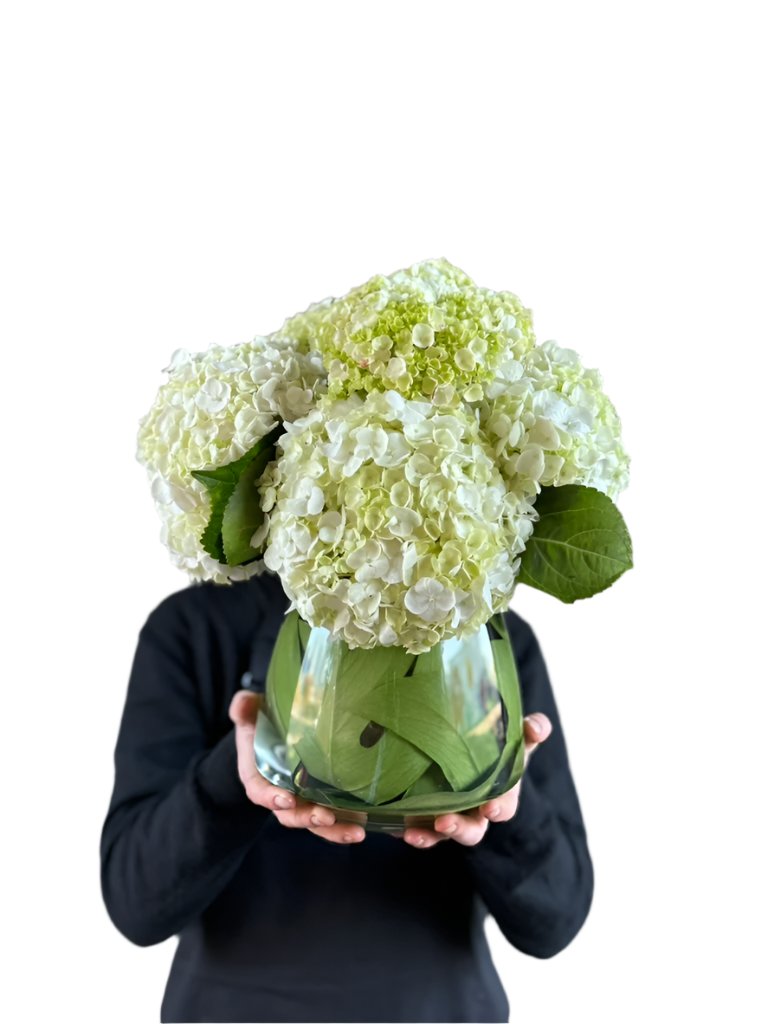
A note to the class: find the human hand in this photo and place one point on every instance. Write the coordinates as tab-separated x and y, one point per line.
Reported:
469	827
289	809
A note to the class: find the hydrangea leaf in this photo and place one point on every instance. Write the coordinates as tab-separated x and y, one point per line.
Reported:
580	544
236	511
243	513
220	493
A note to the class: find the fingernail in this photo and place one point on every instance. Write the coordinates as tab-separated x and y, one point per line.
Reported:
283	802
534	724
448	829
419	841
495	812
321	819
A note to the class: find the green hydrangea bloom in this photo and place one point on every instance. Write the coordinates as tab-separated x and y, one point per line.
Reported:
427	332
303	329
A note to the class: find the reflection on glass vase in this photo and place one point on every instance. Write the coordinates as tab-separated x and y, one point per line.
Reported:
387	738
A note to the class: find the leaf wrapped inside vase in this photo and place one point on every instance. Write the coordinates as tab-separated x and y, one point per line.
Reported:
436	741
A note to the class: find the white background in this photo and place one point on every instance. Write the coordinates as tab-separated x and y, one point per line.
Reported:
179	174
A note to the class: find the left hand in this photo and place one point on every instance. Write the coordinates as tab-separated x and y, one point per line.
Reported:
469	827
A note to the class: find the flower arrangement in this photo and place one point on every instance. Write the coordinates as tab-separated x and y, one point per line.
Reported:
401	457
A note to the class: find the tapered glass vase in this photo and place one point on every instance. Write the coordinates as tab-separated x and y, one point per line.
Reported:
386	738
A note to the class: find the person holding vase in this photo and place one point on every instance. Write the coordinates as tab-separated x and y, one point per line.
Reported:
356	497
283	913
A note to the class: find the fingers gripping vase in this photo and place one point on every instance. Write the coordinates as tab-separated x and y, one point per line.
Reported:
387	738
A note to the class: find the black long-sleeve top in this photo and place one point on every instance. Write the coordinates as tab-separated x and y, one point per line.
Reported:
276	924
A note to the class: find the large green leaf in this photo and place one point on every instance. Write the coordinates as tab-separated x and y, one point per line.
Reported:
415	709
327	736
506	774
360	666
243	514
580	544
496	783
235	502
375	774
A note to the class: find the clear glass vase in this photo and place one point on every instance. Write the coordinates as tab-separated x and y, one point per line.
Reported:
386	738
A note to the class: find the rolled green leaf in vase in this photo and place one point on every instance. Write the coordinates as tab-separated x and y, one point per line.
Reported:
382	734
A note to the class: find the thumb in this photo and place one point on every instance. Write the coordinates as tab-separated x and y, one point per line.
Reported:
244	708
537	728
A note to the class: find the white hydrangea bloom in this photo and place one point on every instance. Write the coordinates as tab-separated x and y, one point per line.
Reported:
213	408
392	524
550	423
422	423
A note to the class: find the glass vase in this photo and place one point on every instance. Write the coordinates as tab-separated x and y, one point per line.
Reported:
386	738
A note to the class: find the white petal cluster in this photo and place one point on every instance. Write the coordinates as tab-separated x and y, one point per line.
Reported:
214	407
550	423
422	421
389	522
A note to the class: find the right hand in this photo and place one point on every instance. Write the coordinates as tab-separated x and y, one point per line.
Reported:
289	809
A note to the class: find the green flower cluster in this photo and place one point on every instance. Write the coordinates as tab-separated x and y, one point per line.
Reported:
426	332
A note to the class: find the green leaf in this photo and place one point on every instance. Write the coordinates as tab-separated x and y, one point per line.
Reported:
432	781
283	671
326	735
374	774
352	775
243	514
415	708
211	535
508	681
580	544
506	774
375	664
236	511
329	730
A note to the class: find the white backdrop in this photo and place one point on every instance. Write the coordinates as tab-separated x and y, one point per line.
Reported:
179	174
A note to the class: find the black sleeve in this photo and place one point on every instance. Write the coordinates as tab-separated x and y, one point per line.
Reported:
179	822
534	872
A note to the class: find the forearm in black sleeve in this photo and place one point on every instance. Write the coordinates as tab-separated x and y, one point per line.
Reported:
179	822
534	872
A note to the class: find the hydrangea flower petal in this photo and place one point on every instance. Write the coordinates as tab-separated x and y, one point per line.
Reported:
415	543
